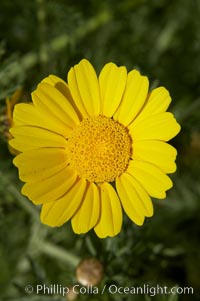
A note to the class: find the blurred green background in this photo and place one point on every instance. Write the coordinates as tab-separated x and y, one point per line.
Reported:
161	38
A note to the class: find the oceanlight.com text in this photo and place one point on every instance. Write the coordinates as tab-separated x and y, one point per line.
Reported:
146	289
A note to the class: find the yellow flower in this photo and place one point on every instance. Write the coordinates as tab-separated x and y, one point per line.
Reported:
7	117
93	146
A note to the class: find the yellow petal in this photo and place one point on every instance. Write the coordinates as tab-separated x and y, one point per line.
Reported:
88	86
135	201
63	88
134	97
158	101
40	164
73	86
29	137
59	84
154	181
52	188
58	212
111	213
159	153
162	126
27	114
50	101
88	214
112	82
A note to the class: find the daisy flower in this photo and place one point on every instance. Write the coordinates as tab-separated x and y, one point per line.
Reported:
95	146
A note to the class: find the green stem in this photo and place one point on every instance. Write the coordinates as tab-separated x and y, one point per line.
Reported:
13	190
59	253
42	30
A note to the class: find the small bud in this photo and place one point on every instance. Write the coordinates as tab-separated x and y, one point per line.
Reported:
71	295
89	272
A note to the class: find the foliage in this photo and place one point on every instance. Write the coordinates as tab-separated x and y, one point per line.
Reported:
162	39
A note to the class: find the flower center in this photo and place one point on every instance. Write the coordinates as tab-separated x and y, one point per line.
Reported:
99	149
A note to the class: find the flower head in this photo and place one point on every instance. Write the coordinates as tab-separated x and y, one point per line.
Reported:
94	146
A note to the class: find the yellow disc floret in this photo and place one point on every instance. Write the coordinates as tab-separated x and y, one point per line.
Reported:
99	149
